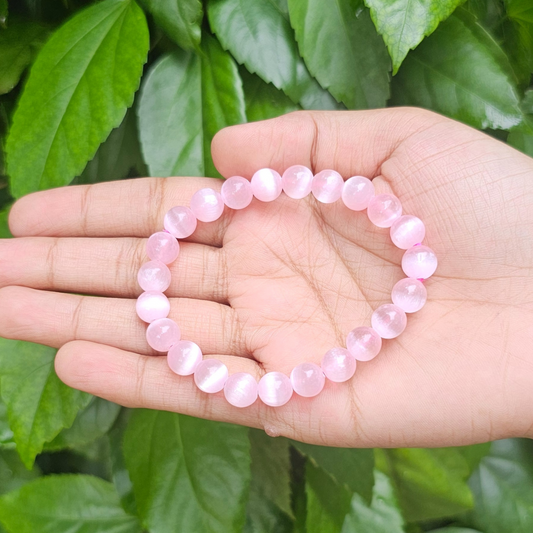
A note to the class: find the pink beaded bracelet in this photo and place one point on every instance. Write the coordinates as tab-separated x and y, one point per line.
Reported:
307	379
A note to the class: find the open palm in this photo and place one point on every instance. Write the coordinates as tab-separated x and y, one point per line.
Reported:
280	283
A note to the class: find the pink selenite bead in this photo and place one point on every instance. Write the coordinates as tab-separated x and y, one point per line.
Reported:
407	231
211	375
152	305
266	184
275	389
162	246
409	294
163	333
383	210
389	321
307	379
363	343
296	181
237	192
327	186
357	192
207	205
241	389
154	276
338	365
184	357
419	262
180	222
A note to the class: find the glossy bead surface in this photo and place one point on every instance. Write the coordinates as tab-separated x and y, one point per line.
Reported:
162	246
419	262
184	357
207	205
407	231
327	186
383	210
363	343
357	193
409	294
163	333
237	192
152	305
389	321
266	185
307	379
275	389
296	181
338	365
154	276
180	222
211	375
241	389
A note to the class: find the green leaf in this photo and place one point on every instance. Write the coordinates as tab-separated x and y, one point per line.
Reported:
431	483
348	466
187	471
263	100
3	13
518	32
503	488
78	90
39	405
170	116
342	51
222	95
4	227
13	474
271	469
404	23
117	156
18	45
179	19
382	516
454	530
91	423
461	72
258	34
66	503
327	502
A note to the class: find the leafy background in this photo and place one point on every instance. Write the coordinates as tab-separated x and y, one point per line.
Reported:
121	89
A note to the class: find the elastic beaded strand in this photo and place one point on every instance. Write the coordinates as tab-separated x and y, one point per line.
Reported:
185	358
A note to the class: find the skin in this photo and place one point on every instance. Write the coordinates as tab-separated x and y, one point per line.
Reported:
280	283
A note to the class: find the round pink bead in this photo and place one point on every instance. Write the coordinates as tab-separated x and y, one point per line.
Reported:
207	205
296	181
275	389
237	192
154	276
241	389
407	231
211	375
409	294
162	246
357	192
389	321
327	186
184	357
383	210
152	305
163	333
307	379
180	222
363	343
338	365
266	184
419	262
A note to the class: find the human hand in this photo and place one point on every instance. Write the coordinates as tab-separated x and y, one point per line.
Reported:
281	283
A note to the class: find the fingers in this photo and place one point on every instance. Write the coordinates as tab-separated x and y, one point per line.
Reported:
55	319
352	142
108	267
126	208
